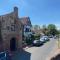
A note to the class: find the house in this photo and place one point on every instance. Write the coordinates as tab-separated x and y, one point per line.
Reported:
11	30
27	27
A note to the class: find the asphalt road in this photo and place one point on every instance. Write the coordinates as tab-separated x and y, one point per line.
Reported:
36	53
41	53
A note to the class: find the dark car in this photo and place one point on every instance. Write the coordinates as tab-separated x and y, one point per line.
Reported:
4	56
37	43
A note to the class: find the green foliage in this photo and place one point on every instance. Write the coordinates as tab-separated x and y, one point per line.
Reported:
44	26
52	30
59	31
37	36
28	41
36	27
51	26
32	37
44	29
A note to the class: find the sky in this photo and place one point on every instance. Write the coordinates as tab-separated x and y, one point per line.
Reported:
40	11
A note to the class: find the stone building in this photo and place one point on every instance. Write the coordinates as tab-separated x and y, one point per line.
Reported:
11	30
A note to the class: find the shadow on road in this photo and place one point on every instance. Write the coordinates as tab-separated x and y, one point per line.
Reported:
22	55
56	57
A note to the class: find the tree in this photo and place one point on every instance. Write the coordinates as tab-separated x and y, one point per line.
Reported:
52	30
44	29
36	27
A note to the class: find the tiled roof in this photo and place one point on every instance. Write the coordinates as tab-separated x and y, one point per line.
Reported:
25	20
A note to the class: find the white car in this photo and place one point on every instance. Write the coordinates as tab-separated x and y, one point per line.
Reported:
44	39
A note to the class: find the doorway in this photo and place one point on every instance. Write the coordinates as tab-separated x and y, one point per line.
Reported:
13	44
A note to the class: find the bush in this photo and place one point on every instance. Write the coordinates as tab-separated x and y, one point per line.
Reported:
31	39
36	36
28	41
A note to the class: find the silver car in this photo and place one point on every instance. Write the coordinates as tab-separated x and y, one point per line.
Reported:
44	39
37	43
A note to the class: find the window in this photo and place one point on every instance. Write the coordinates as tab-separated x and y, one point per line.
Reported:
8	27
26	30
29	30
12	27
3	20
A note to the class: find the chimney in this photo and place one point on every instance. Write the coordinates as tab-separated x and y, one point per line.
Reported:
16	11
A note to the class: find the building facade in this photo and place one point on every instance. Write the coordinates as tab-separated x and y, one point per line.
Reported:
27	27
11	30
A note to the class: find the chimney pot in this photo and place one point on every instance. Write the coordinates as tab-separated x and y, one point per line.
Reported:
16	11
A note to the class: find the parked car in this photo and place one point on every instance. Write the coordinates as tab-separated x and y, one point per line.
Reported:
55	37
44	39
4	56
50	36
37	43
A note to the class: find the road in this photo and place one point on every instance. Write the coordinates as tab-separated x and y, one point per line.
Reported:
41	53
37	53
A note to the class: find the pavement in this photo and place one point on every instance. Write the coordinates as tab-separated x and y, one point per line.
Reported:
36	53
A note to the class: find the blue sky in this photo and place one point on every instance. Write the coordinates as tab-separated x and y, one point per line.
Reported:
40	11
